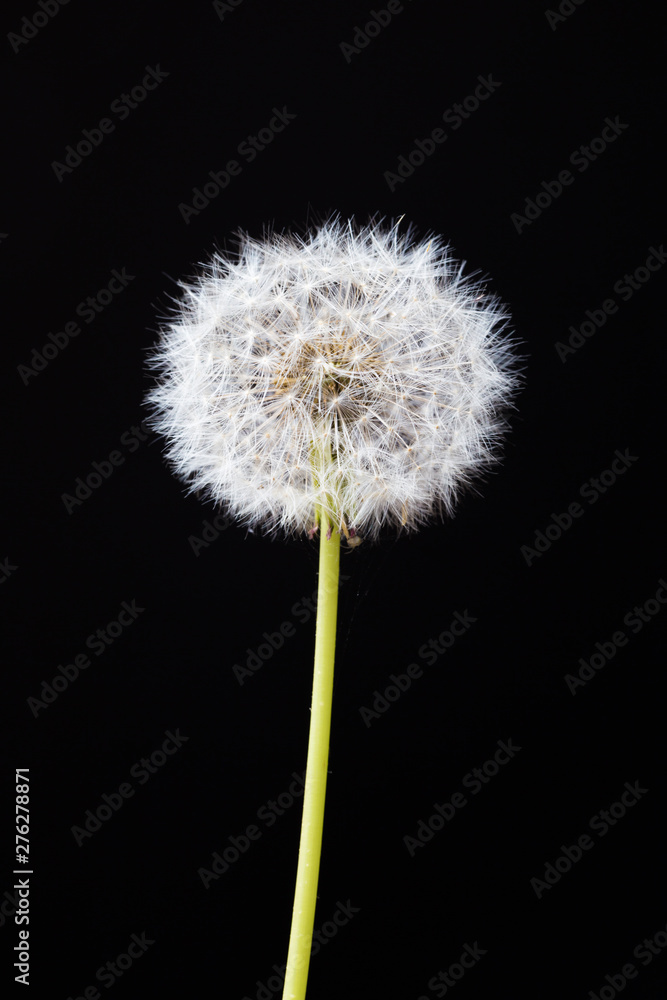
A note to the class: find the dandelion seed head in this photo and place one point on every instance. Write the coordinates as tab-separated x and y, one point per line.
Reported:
353	369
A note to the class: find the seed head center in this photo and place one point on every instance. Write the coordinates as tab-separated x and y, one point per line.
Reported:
331	373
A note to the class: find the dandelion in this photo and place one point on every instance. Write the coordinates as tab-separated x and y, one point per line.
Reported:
354	371
348	381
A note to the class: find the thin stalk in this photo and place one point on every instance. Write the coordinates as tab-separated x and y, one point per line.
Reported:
312	823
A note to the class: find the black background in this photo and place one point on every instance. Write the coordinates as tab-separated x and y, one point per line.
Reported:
135	536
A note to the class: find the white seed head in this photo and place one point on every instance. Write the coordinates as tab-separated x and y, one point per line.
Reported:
351	369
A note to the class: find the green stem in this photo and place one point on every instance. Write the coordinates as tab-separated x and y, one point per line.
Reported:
310	846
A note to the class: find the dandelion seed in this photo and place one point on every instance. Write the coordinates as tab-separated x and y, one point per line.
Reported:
249	377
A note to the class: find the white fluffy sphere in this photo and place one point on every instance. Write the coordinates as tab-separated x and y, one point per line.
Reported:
353	369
